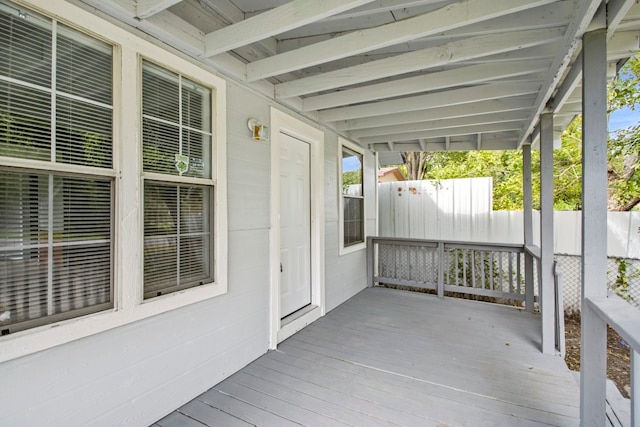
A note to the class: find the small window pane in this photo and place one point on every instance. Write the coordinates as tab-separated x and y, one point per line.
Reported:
25	122
160	93
160	144
177	239
351	173
353	220
196	106
196	146
83	134
84	66
25	46
72	236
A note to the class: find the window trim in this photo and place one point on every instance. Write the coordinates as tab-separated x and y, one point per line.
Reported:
343	143
156	177
129	305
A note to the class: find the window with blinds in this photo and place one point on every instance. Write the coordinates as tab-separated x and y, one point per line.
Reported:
352	197
178	189
56	231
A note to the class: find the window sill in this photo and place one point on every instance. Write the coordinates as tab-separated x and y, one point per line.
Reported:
353	248
44	337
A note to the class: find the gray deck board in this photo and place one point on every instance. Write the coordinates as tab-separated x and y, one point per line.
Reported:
390	358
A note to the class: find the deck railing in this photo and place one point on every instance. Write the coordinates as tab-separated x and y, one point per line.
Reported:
625	320
481	269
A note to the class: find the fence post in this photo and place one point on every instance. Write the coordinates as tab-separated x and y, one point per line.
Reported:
370	263
441	269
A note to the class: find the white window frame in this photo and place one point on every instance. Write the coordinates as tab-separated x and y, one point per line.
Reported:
175	180
129	305
343	143
55	168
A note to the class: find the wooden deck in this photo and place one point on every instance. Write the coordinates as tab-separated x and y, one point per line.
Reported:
389	358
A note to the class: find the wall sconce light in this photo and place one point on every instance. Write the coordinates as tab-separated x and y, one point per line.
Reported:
259	131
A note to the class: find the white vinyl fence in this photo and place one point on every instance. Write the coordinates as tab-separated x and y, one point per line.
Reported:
461	210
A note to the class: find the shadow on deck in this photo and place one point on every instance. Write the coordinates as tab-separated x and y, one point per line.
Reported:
387	358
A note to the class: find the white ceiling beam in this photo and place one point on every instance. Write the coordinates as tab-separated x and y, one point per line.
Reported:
438	113
447	53
148	8
231	14
381	6
463	130
425	83
481	119
226	9
439	99
548	16
456	15
616	11
503	143
294	14
583	15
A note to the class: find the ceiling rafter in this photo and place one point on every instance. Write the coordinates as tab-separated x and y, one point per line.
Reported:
439	113
448	53
294	14
440	99
481	119
148	8
461	130
425	83
452	16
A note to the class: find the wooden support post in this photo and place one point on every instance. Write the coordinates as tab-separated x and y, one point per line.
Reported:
593	363
527	185
370	262
547	292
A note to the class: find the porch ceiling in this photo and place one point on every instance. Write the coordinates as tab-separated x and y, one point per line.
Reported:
399	75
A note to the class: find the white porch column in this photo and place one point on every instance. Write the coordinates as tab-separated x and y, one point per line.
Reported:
547	293
527	191
594	226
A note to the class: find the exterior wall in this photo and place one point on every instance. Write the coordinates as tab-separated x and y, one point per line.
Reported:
135	374
345	275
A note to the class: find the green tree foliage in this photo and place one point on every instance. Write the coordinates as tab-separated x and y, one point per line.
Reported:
505	167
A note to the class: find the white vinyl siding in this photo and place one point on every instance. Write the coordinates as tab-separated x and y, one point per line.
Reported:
56	231
177	215
352	206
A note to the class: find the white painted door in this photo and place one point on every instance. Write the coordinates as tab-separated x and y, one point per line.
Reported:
295	225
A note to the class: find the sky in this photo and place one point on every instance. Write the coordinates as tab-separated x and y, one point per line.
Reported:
623	118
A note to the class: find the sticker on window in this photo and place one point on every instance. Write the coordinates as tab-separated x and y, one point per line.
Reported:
182	163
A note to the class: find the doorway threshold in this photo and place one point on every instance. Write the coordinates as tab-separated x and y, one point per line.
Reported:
297	320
